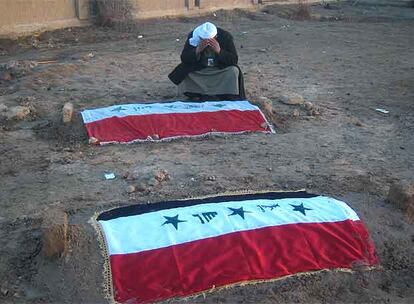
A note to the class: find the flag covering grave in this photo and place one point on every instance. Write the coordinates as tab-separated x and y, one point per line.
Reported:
164	121
180	248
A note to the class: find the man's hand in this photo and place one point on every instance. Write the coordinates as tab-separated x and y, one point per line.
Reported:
201	46
213	43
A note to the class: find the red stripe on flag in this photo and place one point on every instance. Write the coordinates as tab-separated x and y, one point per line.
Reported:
129	128
259	254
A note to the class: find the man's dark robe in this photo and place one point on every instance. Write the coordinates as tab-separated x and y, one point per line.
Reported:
227	57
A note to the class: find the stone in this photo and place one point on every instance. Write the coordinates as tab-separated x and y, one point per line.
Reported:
55	233
18	112
162	175
292	99
211	178
6	76
358	123
314	112
67	112
4	291
308	105
93	141
3	108
401	194
142	187
296	113
152	182
131	189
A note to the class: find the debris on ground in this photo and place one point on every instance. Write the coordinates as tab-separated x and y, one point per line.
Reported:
383	111
355	121
314	112
308	105
18	112
296	113
93	141
16	69
142	187
109	176
211	178
6	76
88	56
162	175
4	291
131	189
130	175
3	108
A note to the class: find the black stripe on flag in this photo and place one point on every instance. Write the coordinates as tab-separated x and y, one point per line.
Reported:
154	207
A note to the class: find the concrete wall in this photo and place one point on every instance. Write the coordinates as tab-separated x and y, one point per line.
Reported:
157	8
22	16
18	17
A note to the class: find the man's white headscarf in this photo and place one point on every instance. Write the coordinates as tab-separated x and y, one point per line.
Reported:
204	31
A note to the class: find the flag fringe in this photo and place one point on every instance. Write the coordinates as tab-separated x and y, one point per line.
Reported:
169	139
253	282
107	284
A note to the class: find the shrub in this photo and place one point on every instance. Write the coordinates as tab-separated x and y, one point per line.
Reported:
114	12
302	12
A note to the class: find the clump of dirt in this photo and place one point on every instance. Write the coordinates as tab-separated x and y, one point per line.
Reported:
65	134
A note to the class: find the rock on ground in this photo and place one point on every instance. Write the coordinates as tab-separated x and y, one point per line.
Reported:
18	112
67	112
3	108
292	99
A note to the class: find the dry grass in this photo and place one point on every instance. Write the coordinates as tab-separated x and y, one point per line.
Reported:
302	12
114	13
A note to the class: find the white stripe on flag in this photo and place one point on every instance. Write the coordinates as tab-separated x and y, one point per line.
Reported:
143	232
165	108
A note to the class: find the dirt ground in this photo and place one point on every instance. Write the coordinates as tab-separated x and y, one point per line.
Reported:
347	60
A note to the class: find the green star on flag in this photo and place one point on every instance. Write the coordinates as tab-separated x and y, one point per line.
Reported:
173	220
238	211
118	109
300	208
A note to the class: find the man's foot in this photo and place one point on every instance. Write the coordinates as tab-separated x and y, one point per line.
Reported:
201	97
193	96
229	97
210	98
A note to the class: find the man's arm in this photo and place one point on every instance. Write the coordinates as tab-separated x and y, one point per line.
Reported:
228	54
189	55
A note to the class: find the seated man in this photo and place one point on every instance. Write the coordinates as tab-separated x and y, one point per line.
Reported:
208	68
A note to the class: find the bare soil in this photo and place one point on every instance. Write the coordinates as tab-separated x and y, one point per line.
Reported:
347	60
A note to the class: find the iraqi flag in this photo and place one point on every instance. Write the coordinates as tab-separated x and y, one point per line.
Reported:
181	248
163	121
